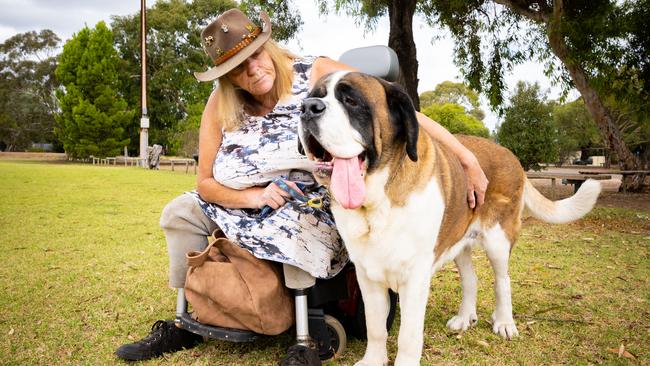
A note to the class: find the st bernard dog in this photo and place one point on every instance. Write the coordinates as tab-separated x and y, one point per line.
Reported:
400	205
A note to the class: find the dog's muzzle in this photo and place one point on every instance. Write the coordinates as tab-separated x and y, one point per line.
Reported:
312	109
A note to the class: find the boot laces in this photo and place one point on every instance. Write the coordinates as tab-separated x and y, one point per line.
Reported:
159	331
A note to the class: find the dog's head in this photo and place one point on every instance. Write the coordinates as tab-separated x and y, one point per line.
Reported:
351	125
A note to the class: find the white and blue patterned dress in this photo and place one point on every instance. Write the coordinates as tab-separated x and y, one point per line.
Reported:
264	148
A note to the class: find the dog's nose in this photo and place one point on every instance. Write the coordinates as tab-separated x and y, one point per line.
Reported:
312	107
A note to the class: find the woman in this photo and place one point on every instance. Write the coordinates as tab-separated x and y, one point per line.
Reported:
248	139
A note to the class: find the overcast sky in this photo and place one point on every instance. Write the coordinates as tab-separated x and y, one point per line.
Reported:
321	35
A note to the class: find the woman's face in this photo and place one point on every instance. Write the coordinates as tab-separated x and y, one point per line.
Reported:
256	74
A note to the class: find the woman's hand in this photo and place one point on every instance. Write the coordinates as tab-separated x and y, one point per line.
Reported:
274	196
477	182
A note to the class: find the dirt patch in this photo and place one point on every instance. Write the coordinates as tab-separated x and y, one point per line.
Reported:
33	156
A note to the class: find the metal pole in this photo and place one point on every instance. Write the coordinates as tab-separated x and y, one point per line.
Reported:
144	120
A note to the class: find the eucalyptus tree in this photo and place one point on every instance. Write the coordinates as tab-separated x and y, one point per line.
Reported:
27	86
600	47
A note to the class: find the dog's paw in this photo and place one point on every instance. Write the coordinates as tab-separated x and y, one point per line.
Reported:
504	327
507	330
460	323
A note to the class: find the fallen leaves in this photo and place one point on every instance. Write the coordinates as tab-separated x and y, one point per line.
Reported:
622	352
483	343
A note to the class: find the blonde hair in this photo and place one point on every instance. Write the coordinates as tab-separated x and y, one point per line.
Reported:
231	101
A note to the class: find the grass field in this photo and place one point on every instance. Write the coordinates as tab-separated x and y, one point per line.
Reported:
83	270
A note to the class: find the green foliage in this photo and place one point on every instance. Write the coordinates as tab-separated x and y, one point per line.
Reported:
454	118
94	116
449	103
604	43
457	93
527	129
27	84
576	130
286	21
174	52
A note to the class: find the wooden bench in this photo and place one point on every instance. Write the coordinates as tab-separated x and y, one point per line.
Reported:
186	162
576	179
130	160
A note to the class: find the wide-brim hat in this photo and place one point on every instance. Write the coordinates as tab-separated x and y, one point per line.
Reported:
230	39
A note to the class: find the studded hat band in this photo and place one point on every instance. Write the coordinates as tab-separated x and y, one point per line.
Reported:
247	39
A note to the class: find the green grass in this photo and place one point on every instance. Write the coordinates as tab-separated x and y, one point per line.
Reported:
84	269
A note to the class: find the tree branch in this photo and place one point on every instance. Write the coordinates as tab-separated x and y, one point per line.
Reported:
524	11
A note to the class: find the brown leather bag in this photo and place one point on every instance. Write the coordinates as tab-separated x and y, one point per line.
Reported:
228	287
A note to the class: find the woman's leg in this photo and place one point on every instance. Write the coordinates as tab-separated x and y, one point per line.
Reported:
186	229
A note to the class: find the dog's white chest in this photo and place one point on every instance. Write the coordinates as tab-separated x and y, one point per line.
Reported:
387	242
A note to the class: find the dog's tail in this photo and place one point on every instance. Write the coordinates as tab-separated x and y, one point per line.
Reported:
562	211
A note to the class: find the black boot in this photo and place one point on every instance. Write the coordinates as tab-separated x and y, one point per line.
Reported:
164	337
299	355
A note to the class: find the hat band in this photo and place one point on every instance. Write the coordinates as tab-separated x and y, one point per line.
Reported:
248	39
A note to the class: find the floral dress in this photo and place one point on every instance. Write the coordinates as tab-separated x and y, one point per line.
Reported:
265	148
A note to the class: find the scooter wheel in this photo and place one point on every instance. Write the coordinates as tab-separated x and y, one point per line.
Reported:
338	338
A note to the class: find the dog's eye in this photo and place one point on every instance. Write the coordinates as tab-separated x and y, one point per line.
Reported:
349	101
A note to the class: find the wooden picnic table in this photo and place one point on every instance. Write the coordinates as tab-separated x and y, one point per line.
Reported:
612	171
576	179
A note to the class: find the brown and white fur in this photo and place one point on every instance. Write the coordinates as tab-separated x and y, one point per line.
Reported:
415	215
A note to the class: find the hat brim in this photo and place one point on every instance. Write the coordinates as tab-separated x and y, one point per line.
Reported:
218	71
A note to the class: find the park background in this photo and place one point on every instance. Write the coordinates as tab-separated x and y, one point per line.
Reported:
84	262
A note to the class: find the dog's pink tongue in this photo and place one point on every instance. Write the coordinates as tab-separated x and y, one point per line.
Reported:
347	183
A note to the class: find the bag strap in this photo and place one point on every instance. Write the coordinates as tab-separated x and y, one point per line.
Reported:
196	258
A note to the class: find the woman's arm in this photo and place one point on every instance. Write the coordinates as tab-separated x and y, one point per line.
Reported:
210	137
323	66
477	182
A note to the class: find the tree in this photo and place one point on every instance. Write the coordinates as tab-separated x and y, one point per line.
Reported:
174	51
453	117
602	47
286	22
94	115
527	129
400	38
457	93
456	107
600	44
27	84
576	129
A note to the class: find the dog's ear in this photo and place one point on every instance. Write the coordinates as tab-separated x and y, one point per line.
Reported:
403	118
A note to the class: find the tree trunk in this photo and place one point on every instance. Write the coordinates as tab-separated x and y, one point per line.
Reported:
601	115
400	39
